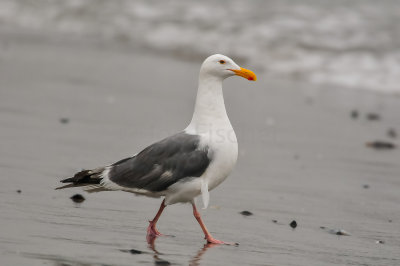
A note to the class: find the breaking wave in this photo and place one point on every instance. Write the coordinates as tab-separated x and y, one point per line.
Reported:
348	43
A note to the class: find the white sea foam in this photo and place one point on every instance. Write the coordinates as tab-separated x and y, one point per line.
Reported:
349	43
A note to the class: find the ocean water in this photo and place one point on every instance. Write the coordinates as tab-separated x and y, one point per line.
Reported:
353	43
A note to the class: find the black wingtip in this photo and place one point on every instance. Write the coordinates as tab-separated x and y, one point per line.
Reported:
67	180
66	186
83	178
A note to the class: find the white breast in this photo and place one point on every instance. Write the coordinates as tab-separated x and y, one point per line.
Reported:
224	152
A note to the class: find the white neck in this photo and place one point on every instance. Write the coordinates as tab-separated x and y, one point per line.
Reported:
209	111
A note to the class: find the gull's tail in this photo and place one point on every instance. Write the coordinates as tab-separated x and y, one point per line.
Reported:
89	179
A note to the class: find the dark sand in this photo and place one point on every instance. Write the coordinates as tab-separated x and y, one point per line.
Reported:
67	105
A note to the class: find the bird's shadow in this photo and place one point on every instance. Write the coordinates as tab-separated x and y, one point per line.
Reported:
195	261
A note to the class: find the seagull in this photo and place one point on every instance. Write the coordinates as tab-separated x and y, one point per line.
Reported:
185	165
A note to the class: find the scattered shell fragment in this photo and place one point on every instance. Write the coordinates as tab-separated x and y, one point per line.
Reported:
162	262
381	145
373	116
64	120
354	114
392	133
135	251
339	232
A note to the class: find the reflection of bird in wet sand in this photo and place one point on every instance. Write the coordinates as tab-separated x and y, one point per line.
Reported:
195	261
157	260
185	165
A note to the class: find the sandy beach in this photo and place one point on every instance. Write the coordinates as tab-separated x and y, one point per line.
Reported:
68	104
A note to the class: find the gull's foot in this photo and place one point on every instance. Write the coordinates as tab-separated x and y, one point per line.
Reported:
212	240
152	230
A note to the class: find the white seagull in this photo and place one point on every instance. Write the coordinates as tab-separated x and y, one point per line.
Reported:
185	165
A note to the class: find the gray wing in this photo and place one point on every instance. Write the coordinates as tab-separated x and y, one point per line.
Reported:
162	164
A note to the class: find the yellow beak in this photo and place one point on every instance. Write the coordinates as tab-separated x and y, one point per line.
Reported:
245	73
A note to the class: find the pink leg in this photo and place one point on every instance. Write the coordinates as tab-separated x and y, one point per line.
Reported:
207	234
152	230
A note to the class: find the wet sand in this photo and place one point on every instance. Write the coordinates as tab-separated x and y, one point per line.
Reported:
67	105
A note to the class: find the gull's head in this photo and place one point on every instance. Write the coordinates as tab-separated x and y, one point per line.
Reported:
221	66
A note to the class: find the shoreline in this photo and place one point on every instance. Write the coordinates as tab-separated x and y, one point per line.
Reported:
301	157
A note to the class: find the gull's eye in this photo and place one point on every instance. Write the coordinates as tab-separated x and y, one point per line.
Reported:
222	62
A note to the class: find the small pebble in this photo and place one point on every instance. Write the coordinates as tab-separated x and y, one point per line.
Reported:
293	224
275	221
135	251
246	213
19	191
373	116
354	114
381	145
392	133
366	186
380	242
77	198
64	120
322	227
389	220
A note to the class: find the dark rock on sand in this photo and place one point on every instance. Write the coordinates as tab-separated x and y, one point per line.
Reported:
354	114
246	213
19	191
373	116
135	251
78	198
64	120
293	224
162	262
381	145
392	133
275	221
339	232
380	242
366	186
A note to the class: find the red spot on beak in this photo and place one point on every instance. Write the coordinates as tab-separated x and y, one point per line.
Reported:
245	73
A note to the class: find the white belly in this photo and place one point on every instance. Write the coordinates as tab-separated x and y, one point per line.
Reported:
224	149
224	153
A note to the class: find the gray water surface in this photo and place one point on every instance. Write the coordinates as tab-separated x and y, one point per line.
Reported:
352	43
